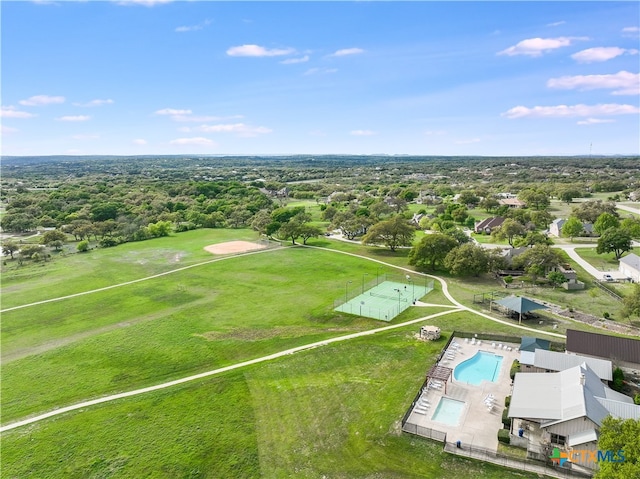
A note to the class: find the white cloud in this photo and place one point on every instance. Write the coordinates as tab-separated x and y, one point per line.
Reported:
535	47
193	28
290	61
198	119
95	103
7	130
594	121
74	118
622	83
347	51
569	111
139	141
258	51
632	32
11	112
601	54
362	133
556	24
198	141
316	71
173	111
40	100
239	128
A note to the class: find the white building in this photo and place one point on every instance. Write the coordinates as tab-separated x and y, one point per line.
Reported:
630	266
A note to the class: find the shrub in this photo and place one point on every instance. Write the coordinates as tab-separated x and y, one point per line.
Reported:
503	436
515	367
636	399
508	279
83	246
618	379
507	401
505	418
606	315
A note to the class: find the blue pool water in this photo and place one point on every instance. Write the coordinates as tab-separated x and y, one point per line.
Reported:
448	411
481	367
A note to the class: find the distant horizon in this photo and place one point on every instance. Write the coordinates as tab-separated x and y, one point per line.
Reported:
163	77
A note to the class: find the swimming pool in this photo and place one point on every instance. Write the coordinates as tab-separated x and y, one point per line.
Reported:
481	367
448	411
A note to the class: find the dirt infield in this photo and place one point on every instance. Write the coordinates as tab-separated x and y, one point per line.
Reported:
233	247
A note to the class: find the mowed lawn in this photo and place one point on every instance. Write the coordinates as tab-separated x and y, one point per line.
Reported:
104	267
332	412
168	327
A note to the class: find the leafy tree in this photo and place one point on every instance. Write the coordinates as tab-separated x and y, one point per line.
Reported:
52	236
431	251
509	230
467	260
393	233
567	195
556	278
616	240
329	212
468	198
537	260
632	303
309	231
604	222
83	246
260	221
489	204
532	238
459	215
537	199
619	435
10	247
31	251
457	234
18	222
397	204
590	210
159	229
632	225
572	228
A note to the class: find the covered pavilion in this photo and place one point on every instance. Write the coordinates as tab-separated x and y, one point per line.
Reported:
520	305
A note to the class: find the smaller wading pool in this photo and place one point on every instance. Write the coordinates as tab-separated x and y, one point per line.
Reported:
448	411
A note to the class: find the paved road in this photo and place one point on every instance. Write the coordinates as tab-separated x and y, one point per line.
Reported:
445	290
630	209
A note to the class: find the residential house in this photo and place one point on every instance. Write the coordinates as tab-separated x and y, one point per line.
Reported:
512	203
487	225
555	228
630	266
564	410
622	351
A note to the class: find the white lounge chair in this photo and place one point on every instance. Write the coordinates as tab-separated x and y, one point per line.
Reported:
493	345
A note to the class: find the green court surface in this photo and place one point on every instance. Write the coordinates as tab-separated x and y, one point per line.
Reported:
383	301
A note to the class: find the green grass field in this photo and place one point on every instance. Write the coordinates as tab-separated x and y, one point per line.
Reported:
331	411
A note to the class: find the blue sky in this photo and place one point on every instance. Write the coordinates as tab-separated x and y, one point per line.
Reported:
428	78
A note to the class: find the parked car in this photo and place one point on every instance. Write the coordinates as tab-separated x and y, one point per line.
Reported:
607	277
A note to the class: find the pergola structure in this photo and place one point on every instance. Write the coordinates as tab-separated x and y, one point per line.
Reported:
441	373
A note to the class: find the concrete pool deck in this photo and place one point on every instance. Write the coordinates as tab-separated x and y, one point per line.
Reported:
477	426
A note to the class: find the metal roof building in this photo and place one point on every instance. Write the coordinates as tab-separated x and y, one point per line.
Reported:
620	350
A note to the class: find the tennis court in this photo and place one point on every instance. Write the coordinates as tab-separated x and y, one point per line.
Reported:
386	300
